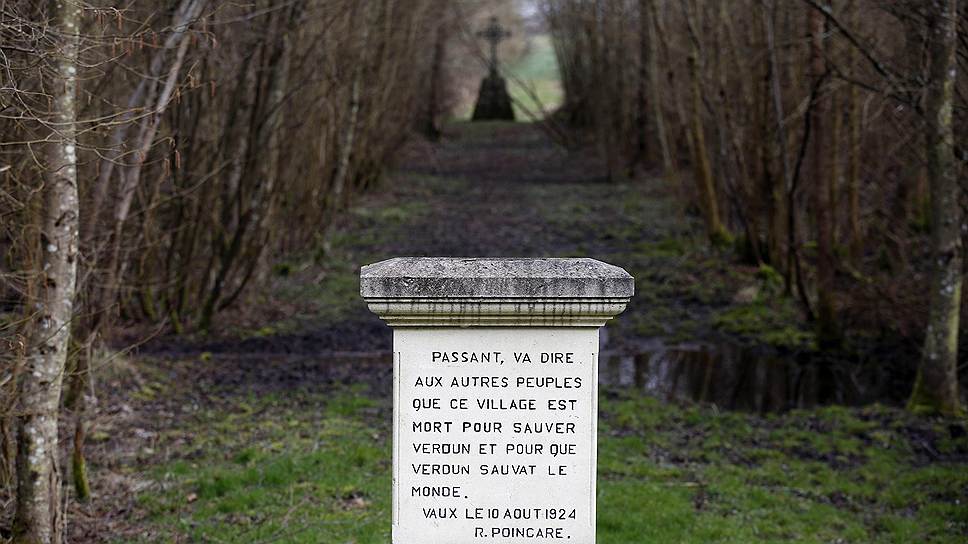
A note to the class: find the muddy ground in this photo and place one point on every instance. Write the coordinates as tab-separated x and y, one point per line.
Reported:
485	190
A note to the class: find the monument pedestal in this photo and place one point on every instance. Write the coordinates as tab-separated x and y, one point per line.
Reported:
495	394
493	100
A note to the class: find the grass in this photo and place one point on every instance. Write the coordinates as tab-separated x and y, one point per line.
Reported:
299	475
538	70
829	475
684	289
314	467
323	288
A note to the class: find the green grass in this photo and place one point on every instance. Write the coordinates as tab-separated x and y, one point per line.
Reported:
299	475
315	467
829	475
775	322
684	288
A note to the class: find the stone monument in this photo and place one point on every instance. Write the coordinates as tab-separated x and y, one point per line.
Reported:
495	397
493	100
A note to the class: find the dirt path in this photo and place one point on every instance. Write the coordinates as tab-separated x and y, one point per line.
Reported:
501	177
498	189
268	377
486	189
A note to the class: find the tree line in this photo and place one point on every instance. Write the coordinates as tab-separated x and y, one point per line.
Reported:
155	158
820	138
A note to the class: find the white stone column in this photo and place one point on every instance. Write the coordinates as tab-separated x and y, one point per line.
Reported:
495	398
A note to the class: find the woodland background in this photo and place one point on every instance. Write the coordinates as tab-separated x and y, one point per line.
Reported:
165	165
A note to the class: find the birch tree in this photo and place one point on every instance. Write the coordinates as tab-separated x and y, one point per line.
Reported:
38	516
936	388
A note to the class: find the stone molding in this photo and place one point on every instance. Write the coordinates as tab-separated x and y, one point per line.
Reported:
488	292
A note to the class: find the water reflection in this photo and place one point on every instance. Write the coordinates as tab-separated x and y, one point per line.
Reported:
737	378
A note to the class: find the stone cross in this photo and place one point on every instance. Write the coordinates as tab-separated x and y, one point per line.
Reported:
494	33
495	394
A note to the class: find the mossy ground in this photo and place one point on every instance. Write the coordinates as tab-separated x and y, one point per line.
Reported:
302	468
266	436
312	466
538	200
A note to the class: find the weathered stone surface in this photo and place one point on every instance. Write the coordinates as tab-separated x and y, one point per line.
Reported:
507	434
495	397
451	277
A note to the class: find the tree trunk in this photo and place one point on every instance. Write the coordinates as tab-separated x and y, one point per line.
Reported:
334	199
644	96
701	169
349	135
828	332
430	125
777	201
76	400
278	91
131	174
836	163
658	115
853	176
13	362
38	518
853	129
936	387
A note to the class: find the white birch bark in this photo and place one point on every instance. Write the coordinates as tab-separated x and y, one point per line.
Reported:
38	517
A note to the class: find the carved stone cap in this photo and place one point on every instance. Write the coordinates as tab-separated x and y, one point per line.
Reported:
464	292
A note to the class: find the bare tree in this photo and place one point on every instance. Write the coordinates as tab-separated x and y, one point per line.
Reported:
200	139
822	182
702	169
936	388
39	516
812	140
649	59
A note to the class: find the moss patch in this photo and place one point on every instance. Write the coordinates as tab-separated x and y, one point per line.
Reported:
315	467
775	323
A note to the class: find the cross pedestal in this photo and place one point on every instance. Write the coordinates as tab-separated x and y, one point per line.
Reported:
493	100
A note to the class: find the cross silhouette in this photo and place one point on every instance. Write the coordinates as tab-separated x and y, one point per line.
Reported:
494	33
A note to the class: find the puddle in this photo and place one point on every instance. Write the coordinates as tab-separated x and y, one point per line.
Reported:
734	377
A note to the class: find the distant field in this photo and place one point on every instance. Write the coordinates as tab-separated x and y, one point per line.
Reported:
537	71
